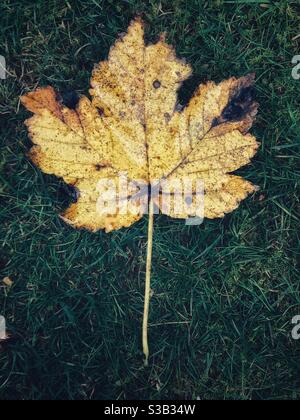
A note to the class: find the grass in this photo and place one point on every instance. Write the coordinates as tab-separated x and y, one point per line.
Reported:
224	292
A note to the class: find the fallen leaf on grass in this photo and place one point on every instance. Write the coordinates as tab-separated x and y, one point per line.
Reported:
133	127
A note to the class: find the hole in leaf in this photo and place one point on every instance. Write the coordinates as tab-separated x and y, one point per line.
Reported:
70	99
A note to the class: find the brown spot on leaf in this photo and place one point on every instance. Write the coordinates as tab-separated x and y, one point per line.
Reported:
156	84
239	105
98	167
167	117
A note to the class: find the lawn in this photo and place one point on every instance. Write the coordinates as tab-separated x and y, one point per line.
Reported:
224	292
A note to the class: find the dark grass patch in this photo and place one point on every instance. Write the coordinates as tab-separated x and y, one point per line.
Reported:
224	292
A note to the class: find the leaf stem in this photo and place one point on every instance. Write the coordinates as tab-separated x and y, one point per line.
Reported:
148	280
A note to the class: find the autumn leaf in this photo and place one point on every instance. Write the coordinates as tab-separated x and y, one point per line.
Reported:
132	127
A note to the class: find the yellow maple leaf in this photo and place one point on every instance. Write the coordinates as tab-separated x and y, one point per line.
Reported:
133	129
